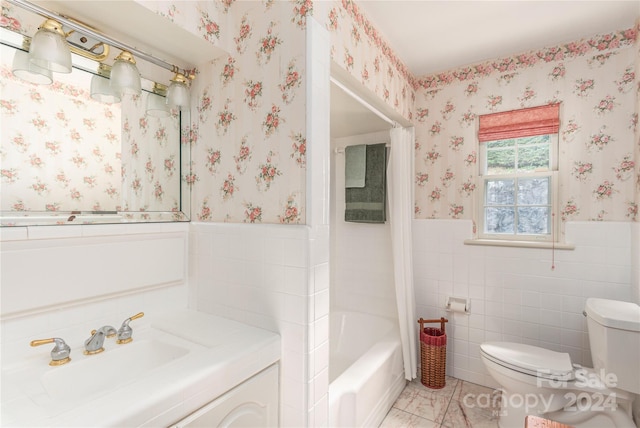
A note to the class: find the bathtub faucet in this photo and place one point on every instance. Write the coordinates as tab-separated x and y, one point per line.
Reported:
93	345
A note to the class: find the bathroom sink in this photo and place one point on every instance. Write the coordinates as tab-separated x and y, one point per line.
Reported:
116	366
176	364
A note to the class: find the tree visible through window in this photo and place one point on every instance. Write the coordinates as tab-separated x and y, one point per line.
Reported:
518	174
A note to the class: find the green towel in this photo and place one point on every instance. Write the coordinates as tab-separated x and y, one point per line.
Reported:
367	204
355	165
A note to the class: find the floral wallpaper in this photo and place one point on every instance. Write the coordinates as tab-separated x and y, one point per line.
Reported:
150	158
248	110
248	134
358	47
596	83
599	115
59	159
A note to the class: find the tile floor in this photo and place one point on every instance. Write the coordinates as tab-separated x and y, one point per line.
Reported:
459	404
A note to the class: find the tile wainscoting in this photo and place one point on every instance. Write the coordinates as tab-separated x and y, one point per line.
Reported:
514	293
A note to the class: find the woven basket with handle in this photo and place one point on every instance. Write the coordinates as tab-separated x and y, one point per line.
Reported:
433	353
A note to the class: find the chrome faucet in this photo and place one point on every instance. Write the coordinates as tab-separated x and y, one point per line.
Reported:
125	332
93	345
60	352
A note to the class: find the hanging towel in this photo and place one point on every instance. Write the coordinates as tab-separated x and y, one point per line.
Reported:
355	165
367	204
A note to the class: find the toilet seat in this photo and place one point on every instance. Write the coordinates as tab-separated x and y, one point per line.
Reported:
530	360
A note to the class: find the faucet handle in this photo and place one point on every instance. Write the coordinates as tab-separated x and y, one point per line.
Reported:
93	345
125	332
60	352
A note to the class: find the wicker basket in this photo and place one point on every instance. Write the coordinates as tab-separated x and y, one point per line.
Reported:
433	353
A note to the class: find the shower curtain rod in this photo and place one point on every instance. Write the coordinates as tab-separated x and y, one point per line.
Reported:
365	104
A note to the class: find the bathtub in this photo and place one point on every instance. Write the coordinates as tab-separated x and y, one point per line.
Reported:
366	372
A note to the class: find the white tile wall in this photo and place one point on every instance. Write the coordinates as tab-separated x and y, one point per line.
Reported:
274	277
361	258
635	261
318	64
78	268
514	293
73	319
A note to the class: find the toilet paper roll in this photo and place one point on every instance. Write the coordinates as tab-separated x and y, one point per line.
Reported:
458	307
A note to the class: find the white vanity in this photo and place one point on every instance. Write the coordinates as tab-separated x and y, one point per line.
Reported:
184	369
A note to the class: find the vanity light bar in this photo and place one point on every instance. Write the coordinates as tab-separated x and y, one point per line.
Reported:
75	25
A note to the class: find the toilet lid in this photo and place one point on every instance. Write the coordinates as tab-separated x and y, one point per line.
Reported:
531	360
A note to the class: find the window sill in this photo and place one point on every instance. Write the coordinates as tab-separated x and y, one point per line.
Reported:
520	244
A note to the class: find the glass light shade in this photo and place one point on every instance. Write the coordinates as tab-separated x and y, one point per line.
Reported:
49	48
26	70
102	91
157	106
125	77
178	93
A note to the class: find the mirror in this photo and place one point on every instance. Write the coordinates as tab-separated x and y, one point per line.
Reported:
66	158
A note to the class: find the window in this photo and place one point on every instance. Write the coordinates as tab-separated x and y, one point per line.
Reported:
518	174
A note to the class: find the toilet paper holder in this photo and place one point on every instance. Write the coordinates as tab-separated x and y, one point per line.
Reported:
457	304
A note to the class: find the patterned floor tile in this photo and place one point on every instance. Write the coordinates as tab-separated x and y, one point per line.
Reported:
401	419
419	400
459	415
459	404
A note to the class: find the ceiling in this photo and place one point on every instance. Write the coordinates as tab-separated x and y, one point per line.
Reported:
434	35
430	36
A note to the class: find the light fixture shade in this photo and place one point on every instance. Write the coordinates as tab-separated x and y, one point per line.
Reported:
49	48
178	92
102	91
157	106
26	70
125	77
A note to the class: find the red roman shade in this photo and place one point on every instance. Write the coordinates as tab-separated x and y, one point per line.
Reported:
525	122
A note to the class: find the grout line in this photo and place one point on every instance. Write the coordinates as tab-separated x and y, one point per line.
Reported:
444	415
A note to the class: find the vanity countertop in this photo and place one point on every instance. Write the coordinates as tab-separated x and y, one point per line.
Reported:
175	365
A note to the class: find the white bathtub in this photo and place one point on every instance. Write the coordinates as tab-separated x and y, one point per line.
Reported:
366	372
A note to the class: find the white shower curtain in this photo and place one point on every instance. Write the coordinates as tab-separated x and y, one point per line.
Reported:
400	184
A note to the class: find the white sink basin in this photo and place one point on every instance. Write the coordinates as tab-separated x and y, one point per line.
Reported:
118	365
175	365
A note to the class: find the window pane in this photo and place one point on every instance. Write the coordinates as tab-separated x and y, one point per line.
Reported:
533	220
499	192
536	139
501	161
501	143
499	220
533	191
532	157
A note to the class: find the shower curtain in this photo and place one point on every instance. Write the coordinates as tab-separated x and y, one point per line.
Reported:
400	184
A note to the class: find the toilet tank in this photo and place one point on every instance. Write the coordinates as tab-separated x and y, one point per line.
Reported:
614	338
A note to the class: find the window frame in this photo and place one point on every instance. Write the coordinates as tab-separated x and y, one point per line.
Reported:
551	172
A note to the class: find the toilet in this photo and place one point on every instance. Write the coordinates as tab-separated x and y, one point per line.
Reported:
541	382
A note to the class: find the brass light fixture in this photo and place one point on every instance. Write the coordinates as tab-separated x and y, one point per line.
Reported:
60	35
125	77
49	48
26	70
156	103
178	92
101	89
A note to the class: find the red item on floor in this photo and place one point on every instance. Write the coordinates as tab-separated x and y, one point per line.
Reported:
433	353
